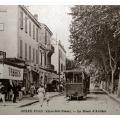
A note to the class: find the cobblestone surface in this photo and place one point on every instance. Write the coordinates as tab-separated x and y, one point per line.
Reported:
95	104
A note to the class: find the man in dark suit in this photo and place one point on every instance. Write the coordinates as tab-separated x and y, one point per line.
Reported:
2	92
15	92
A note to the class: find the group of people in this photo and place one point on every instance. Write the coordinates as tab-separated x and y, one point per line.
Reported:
17	90
11	92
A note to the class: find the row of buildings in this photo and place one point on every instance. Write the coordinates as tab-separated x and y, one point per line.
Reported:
27	53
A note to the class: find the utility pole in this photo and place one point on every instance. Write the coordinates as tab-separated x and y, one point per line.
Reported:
59	65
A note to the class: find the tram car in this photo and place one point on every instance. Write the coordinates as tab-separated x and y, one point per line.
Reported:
76	84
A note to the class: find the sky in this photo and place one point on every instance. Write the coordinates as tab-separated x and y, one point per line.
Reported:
57	19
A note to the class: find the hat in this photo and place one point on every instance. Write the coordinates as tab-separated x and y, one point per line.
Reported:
42	85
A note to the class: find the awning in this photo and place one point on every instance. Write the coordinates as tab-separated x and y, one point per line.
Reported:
10	72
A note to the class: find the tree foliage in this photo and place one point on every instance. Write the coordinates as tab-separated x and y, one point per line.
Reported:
95	34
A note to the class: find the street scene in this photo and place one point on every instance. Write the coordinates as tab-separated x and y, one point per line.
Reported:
59	60
97	103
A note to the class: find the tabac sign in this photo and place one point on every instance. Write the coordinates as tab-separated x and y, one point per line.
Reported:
10	72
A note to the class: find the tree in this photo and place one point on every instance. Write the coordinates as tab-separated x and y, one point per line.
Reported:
70	64
95	35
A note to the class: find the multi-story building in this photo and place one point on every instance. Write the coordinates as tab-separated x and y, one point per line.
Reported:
45	36
59	59
26	42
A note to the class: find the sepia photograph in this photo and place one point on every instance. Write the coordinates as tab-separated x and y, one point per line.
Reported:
60	59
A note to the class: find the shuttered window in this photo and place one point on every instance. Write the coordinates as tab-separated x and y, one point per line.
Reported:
30	53
29	28
25	51
36	34
37	57
21	20
26	25
33	55
21	49
33	31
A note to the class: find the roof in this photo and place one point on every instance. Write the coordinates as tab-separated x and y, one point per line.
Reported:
27	12
47	28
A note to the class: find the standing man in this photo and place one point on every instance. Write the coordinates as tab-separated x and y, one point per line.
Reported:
15	92
19	87
41	94
2	92
32	90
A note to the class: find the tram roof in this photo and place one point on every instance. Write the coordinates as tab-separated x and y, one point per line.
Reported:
75	70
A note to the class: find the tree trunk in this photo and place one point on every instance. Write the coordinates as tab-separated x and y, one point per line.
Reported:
113	68
112	82
104	61
118	93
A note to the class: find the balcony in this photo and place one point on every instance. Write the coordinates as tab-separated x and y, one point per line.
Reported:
50	67
50	49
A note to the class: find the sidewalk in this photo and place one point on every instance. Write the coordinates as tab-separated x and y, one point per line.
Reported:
114	97
51	94
27	100
97	91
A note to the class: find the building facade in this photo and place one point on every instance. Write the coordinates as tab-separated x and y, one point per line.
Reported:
45	36
59	59
26	42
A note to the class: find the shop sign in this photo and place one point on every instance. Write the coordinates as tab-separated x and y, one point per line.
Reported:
10	72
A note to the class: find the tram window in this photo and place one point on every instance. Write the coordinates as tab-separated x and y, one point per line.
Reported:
69	80
80	78
76	78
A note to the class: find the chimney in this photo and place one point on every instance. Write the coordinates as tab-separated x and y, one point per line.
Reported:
36	16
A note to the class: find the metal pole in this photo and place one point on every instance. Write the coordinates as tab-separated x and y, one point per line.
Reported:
59	66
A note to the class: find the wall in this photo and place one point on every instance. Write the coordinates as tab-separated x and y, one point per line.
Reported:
62	58
55	57
26	38
8	37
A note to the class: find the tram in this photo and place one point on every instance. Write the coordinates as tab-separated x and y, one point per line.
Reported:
76	84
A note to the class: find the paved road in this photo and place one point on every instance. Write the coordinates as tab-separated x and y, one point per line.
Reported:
95	104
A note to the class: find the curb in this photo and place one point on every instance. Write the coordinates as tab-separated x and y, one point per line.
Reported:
30	103
112	97
97	91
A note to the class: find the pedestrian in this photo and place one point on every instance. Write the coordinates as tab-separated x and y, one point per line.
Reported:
10	93
41	94
2	93
15	92
19	87
32	90
23	90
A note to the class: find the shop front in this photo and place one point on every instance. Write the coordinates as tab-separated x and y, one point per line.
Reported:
35	76
52	82
9	75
